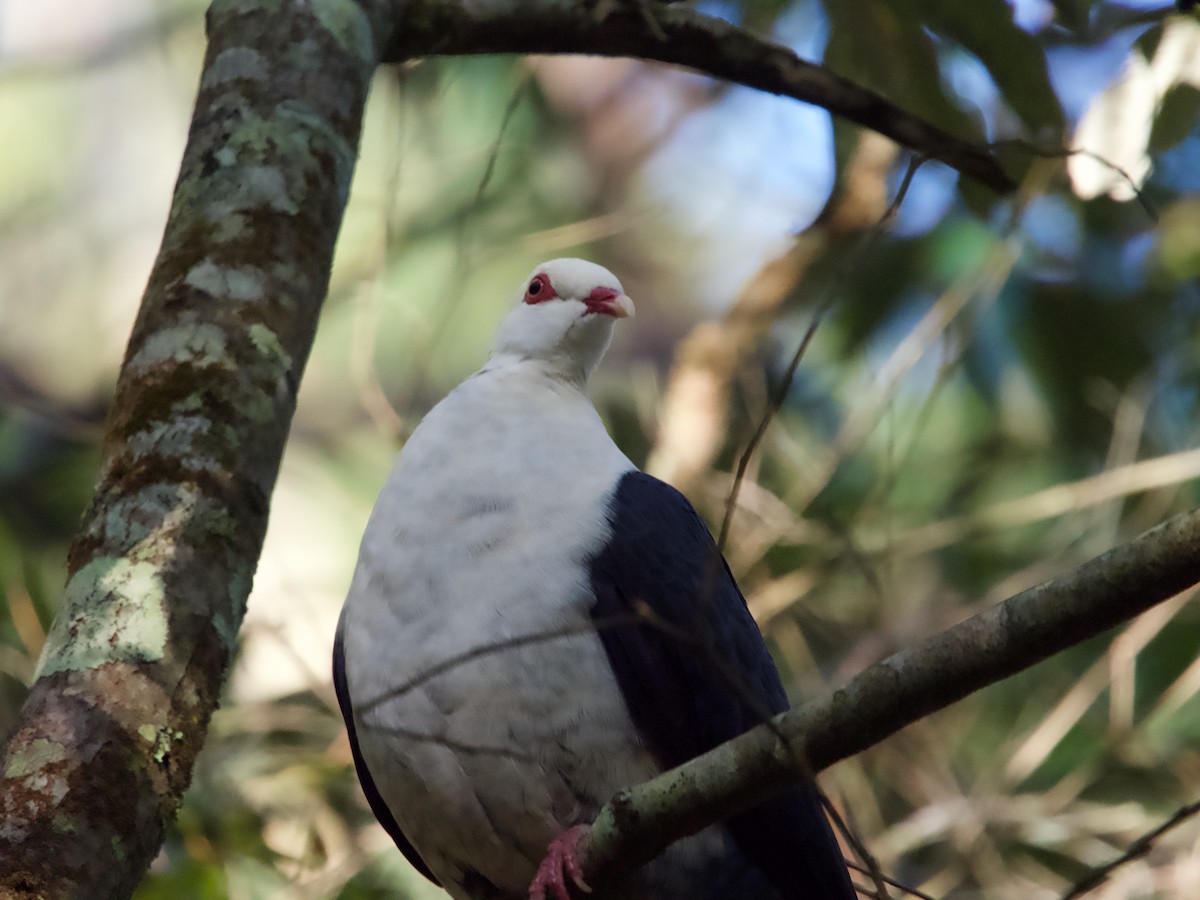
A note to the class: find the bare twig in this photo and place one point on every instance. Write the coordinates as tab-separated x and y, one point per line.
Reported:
911	891
1055	725
1140	847
863	417
789	375
694	409
987	280
452	292
1065	152
371	394
870	865
488	649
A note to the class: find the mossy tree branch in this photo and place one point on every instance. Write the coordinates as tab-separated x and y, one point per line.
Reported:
159	573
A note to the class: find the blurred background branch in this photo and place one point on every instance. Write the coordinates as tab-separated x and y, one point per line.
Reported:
682	36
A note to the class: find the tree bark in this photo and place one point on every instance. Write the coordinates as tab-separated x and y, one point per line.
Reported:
159	573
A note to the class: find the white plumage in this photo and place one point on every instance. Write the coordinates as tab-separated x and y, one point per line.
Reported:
462	551
482	701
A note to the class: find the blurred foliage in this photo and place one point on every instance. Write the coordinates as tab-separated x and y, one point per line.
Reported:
978	412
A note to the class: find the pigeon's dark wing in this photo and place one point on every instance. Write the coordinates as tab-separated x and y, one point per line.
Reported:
694	671
374	800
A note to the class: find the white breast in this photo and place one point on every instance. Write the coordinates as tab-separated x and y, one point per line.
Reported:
486	709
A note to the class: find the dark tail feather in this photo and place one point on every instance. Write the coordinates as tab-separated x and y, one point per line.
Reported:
789	837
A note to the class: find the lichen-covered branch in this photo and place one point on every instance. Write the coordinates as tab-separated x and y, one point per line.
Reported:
160	571
1006	639
682	36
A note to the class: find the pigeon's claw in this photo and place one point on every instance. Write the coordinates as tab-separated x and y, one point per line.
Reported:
561	867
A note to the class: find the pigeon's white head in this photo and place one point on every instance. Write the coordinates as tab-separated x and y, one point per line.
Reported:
565	317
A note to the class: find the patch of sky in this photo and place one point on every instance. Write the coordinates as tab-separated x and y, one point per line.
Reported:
989	354
1172	415
929	198
1110	270
1032	15
745	173
1178	168
1174	412
1079	73
1135	252
969	82
730	12
1053	232
905	316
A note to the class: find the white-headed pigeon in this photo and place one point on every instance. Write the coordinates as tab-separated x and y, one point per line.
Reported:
535	624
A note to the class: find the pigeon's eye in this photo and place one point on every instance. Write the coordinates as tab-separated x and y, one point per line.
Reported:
540	289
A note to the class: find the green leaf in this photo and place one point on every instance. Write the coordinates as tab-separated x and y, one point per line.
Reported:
1179	240
1148	43
1013	56
1073	14
760	15
883	49
1177	117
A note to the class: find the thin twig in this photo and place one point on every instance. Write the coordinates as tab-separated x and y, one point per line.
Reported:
491	648
870	865
1025	629
911	891
1064	152
861	420
1140	847
453	293
789	376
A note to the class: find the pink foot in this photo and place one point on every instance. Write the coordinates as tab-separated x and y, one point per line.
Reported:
560	865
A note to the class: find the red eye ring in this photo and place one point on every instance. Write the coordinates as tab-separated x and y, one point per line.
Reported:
540	289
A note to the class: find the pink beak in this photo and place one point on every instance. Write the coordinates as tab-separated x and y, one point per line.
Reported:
608	302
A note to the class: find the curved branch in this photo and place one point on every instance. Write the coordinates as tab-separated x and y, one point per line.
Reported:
1008	638
160	571
681	36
